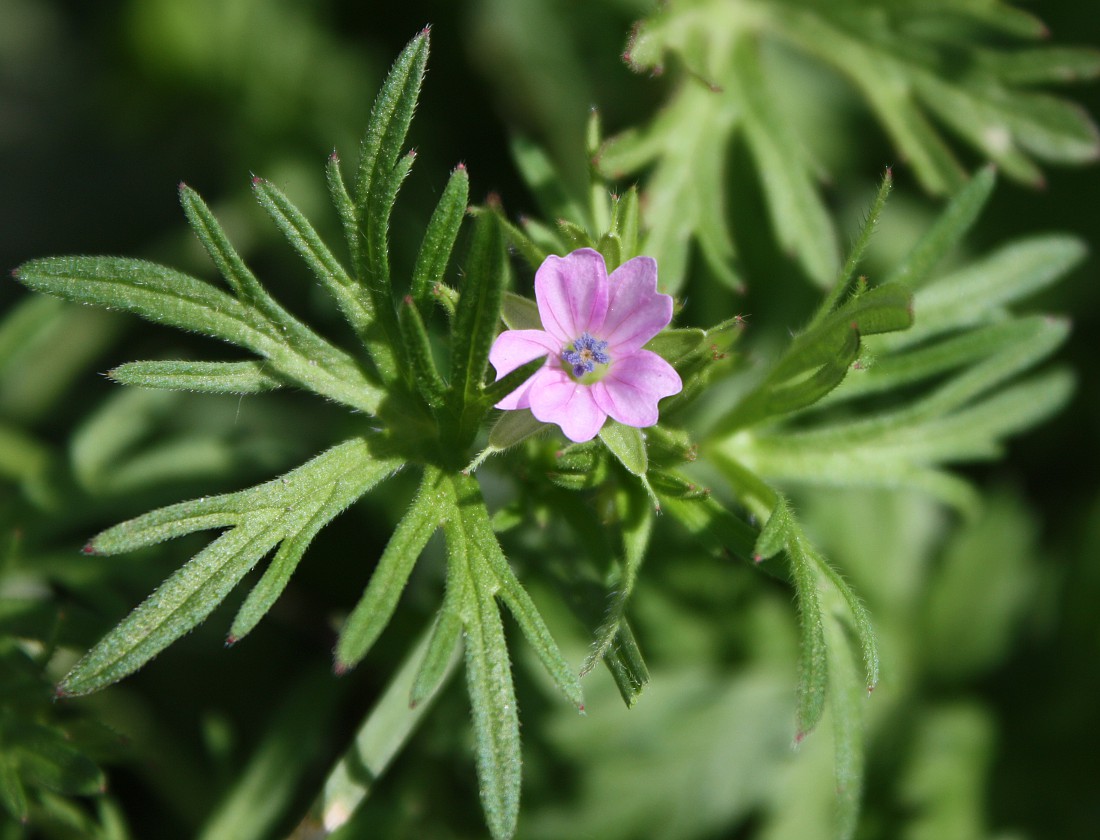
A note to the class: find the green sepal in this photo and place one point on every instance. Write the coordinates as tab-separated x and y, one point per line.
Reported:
496	391
514	427
376	606
204	377
418	355
545	238
611	250
520	313
627	444
624	222
666	483
511	427
677	345
575	236
439	238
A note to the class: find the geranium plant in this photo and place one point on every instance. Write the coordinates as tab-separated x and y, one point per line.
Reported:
543	366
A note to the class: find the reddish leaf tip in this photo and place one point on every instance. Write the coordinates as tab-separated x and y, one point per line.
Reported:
408	300
88	548
758	558
339	668
60	693
231	640
15	273
257	180
334	157
426	31
461	167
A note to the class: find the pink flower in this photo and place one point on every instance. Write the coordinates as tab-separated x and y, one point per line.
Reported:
594	327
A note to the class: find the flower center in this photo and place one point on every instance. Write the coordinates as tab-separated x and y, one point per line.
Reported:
585	354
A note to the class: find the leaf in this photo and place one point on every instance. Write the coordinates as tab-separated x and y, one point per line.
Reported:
798	216
488	680
382	168
260	518
166	296
684	197
636	517
12	793
374	609
947	231
384	731
349	296
476	324
476	572
264	790
46	759
439	238
439	658
418	353
855	255
341	201
908	62
712	524
818	360
204	377
481	538
544	180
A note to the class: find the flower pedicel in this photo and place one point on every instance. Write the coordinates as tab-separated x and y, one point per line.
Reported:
594	328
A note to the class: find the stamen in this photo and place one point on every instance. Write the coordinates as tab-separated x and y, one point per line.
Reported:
585	354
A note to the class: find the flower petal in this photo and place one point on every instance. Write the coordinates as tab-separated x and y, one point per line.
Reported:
513	348
555	398
572	294
636	311
633	386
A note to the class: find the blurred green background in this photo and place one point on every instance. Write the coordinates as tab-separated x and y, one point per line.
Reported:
106	106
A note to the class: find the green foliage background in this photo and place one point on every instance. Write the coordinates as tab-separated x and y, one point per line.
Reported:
989	630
